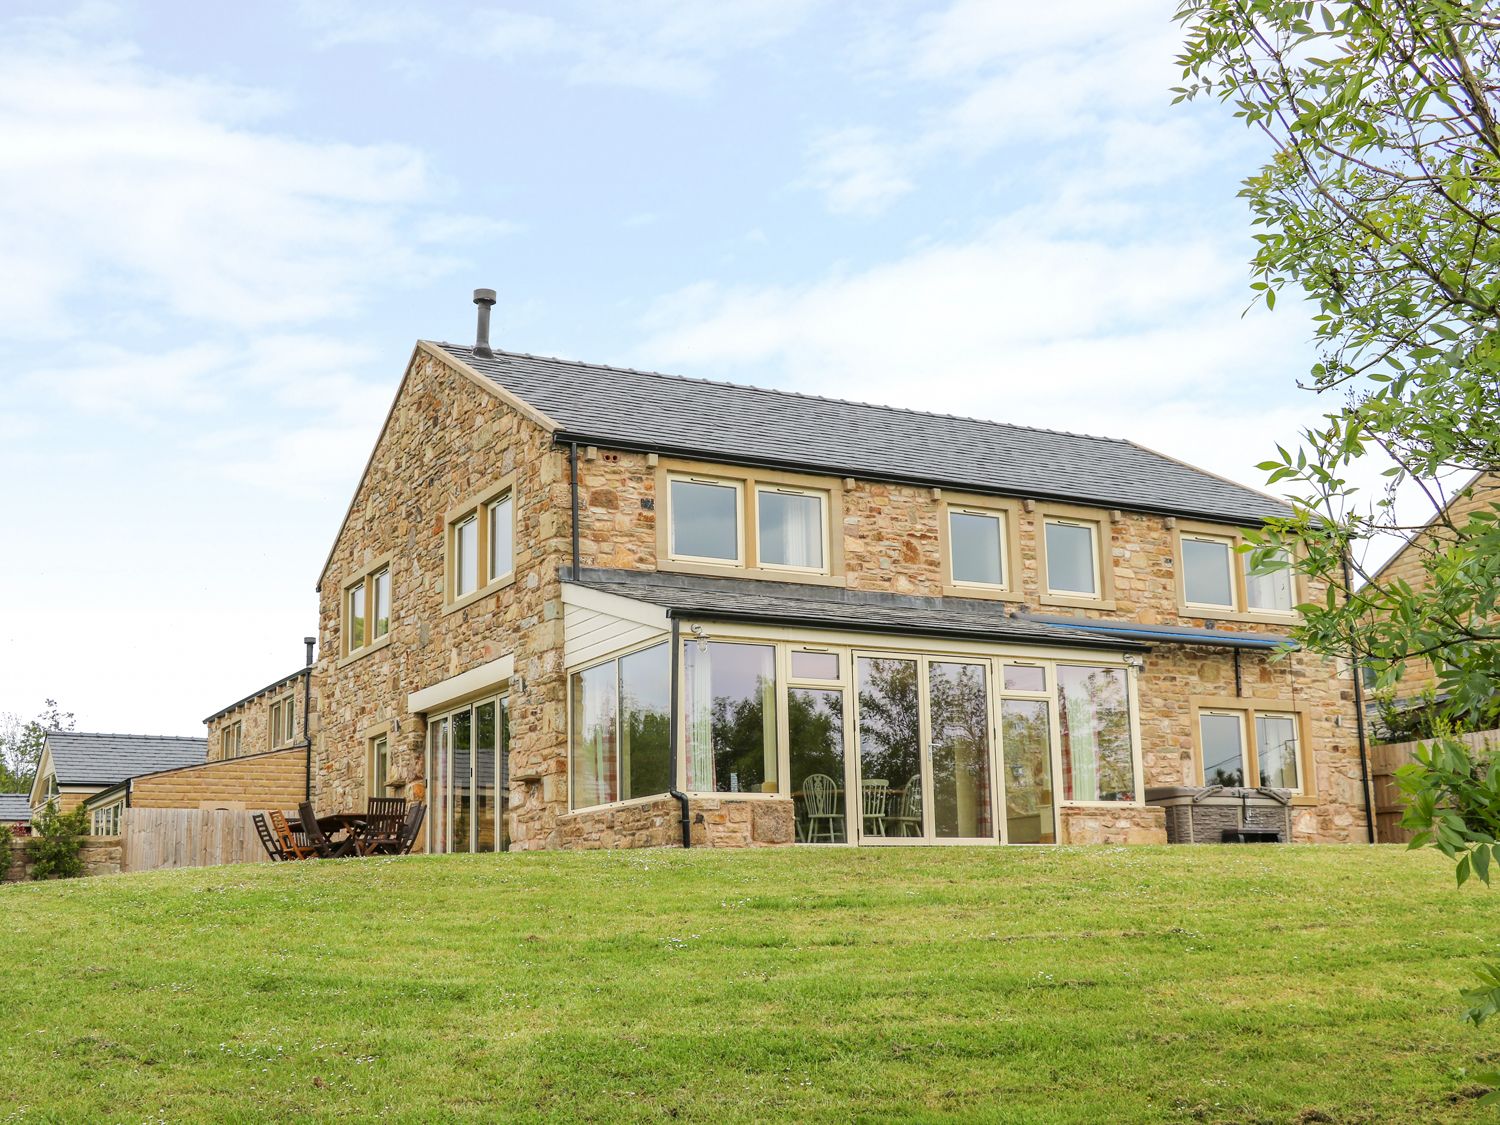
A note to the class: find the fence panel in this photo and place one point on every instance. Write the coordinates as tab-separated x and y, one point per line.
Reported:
155	838
1385	761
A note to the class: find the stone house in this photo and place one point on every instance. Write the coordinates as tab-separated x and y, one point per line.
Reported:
573	605
76	766
15	814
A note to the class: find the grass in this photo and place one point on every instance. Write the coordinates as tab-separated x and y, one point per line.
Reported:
1274	984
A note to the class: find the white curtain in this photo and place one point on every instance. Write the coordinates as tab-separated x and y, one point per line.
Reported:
700	715
1083	744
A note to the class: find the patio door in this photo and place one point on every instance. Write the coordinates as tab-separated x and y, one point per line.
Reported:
467	751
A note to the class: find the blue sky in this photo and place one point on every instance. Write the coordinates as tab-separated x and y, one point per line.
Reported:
223	226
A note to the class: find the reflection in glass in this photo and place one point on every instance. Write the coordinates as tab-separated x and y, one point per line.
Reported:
1026	749
466	557
595	749
356	615
645	725
1070	558
1094	720
791	529
504	773
485	777
382	614
889	742
975	541
463	782
1271	591
1025	677
814	665
441	777
815	723
1223	739
1205	572
960	750
1276	750
731	717
502	538
705	520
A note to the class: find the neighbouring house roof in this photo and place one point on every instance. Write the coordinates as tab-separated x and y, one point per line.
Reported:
624	408
1172	634
15	808
832	607
270	687
80	758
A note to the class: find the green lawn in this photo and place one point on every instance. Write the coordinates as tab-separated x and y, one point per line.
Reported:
1250	984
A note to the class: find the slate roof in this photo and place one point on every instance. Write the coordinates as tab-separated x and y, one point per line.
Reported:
833	607
623	408
1172	634
15	808
80	758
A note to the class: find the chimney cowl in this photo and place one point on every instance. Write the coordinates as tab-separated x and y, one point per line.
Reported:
485	299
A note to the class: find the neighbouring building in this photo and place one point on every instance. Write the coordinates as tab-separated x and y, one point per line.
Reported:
573	606
15	814
76	766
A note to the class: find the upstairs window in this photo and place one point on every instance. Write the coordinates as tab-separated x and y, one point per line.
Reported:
230	738
1208	567
705	520
1072	548
283	722
481	544
790	528
977	542
1270	592
367	610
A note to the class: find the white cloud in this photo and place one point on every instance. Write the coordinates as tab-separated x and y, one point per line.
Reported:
857	171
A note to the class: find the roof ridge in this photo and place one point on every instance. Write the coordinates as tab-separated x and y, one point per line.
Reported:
798	394
112	734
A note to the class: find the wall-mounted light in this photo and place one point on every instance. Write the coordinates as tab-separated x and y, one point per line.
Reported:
700	636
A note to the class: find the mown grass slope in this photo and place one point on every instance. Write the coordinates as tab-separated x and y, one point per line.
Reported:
1251	984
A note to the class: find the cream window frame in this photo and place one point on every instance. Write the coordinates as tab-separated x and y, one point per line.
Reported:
749	483
366	581
1009	516
1239	570
276	716
615	658
1098	524
107	817
478	507
373	739
232	739
1250	708
738	488
1236	596
821	496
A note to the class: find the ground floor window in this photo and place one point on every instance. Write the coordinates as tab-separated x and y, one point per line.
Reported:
467	751
106	820
1246	746
621	728
730	704
1098	762
379	771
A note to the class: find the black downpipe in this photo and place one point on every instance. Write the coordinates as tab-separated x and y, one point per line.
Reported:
687	824
573	478
306	707
1359	713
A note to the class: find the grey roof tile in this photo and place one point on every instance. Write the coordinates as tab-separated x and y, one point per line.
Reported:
833	607
735	423
81	758
15	808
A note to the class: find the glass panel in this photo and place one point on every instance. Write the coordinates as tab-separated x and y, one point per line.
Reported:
1025	677
1094	719
504	807
380	766
502	541
1026	745
484	777
791	529
815	665
382	613
1070	558
645	722
463	782
595	765
976	545
1205	572
960	750
705	520
440	779
356	616
466	557
1271	591
1223	740
1276	748
889	738
815	722
731	709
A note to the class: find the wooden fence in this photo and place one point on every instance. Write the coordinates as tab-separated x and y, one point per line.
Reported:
156	838
1389	804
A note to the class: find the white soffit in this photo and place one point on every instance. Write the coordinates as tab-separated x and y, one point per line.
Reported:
465	683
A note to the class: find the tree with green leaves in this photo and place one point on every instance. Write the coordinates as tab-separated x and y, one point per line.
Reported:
21	744
55	846
1380	204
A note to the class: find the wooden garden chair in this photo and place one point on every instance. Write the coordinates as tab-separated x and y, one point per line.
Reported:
384	819
326	848
410	830
268	838
291	847
820	799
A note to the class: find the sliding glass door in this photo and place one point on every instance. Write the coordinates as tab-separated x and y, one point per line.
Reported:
467	766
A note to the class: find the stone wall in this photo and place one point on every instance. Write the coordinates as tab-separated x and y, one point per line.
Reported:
254	717
715	822
414	479
1124	824
100	857
276	780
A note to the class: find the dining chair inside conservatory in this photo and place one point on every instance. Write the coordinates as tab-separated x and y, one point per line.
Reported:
873	795
908	817
825	824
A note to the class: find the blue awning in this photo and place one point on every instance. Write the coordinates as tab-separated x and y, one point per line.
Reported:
1171	634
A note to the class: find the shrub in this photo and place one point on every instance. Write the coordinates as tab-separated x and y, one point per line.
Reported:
56	844
8	838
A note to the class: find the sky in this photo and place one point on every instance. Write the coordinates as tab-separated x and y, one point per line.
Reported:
222	227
